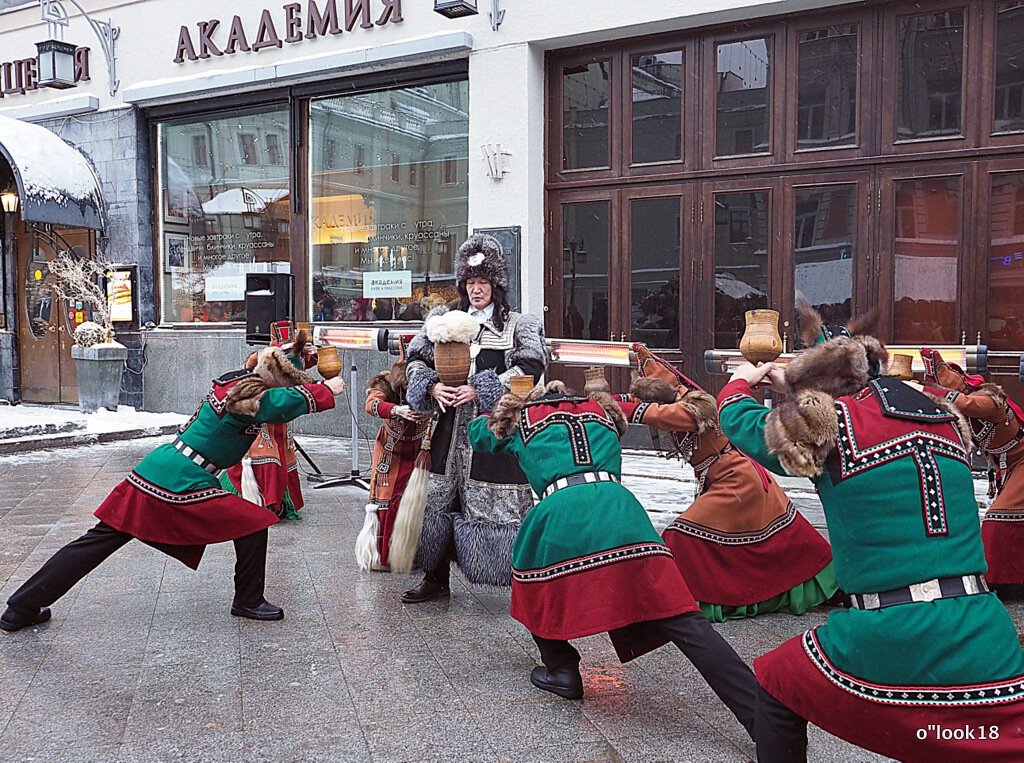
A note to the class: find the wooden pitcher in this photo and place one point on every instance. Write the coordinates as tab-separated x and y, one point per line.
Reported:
451	361
328	362
902	366
761	342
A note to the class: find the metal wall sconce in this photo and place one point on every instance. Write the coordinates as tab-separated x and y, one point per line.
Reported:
454	9
9	201
55	15
56	64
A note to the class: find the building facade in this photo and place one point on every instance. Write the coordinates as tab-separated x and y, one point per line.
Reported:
664	167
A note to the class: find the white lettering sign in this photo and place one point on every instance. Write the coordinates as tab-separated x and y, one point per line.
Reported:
388	283
225	288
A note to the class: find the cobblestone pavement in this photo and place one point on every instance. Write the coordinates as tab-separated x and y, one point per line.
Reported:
142	661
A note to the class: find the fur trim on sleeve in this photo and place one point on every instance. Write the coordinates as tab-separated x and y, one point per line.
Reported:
613	410
276	370
994	391
653	390
802	432
421	378
961	421
704	408
529	353
488	389
244	396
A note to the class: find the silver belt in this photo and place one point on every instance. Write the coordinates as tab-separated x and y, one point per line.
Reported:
195	457
929	590
584	478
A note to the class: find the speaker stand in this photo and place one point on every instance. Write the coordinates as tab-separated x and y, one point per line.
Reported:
354	478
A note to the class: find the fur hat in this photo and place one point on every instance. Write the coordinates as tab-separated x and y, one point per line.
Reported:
839	366
482	256
273	369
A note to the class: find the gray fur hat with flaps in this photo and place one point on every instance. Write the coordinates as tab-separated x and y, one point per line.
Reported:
482	256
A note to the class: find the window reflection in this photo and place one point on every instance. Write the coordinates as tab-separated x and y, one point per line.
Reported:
585	270
742	108
1009	84
655	258
827	97
657	107
823	249
931	59
926	260
741	262
585	116
369	214
1006	264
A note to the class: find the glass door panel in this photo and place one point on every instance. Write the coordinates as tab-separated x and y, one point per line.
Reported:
586	108
824	249
585	271
657	107
926	254
1006	264
655	257
741	267
1009	79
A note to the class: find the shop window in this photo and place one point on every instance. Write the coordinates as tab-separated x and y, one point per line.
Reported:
824	248
827	87
218	223
247	145
930	76
657	107
357	231
274	154
742	98
585	116
926	261
1009	79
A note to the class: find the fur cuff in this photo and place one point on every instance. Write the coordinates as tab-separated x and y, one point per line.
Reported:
704	408
961	421
488	389
802	432
422	379
652	390
613	410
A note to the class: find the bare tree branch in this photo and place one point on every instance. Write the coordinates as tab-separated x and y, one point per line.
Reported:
81	278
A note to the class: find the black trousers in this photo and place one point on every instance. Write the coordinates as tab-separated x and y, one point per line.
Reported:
80	557
781	733
726	674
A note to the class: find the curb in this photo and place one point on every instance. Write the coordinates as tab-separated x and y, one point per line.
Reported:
26	445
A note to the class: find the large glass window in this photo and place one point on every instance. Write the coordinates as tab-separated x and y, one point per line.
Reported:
657	107
827	94
741	261
655	259
585	108
585	270
1009	84
223	211
383	240
823	249
743	116
931	66
1006	264
926	258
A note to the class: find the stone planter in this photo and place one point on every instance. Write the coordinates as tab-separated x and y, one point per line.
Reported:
99	375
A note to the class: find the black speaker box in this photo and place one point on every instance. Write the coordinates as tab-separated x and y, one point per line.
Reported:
268	298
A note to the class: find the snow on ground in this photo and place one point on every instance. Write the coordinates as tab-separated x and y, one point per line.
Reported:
125	418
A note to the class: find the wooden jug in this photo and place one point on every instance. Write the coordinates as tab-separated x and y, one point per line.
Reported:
761	342
328	364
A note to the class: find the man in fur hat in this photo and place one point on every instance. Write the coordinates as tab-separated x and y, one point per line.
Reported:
587	558
997	424
475	501
924	649
173	501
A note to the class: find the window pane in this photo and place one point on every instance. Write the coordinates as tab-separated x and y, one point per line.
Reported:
585	109
926	251
742	113
655	258
367	218
1009	100
931	60
585	270
1006	265
824	248
827	93
741	262
657	107
224	211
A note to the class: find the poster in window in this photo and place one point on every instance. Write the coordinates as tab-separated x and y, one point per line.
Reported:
176	254
175	205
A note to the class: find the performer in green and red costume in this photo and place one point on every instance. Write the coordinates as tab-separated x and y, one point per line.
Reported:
997	424
925	665
742	546
587	558
173	501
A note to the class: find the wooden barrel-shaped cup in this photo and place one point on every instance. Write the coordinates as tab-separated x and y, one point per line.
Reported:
521	385
328	363
902	366
595	381
451	361
761	342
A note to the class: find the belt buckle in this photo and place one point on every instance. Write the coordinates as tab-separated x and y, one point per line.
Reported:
928	591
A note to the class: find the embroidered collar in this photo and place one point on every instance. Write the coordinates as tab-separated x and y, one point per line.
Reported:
901	401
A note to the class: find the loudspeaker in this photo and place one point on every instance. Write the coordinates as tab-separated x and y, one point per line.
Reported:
268	298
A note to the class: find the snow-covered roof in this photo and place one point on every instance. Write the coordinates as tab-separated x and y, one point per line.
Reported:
55	181
236	201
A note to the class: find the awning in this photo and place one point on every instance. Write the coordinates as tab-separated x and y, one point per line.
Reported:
55	182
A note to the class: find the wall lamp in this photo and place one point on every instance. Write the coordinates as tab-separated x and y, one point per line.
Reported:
454	9
57	58
9	201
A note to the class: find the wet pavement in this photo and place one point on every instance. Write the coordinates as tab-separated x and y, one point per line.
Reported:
142	661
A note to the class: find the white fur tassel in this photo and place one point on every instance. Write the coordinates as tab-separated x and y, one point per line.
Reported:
250	487
405	538
367	553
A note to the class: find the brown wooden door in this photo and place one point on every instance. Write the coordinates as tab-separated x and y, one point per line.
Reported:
45	322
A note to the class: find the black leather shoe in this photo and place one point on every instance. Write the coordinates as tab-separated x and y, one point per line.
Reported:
262	611
428	590
565	682
13	620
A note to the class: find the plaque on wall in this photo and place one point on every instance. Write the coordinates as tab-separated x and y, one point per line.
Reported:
510	238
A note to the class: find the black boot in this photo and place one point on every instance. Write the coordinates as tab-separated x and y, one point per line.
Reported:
262	611
14	620
435	585
565	681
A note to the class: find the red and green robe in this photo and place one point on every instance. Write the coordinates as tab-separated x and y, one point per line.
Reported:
899	501
174	499
586	558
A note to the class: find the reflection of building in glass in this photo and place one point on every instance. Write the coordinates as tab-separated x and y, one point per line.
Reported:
742	113
931	56
741	261
1009	96
827	99
1006	264
657	107
585	116
824	249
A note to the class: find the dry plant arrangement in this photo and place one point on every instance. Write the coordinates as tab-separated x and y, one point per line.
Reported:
80	278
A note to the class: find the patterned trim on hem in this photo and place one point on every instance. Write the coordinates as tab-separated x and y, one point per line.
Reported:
310	399
165	495
972	695
1003	516
586	563
781	522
